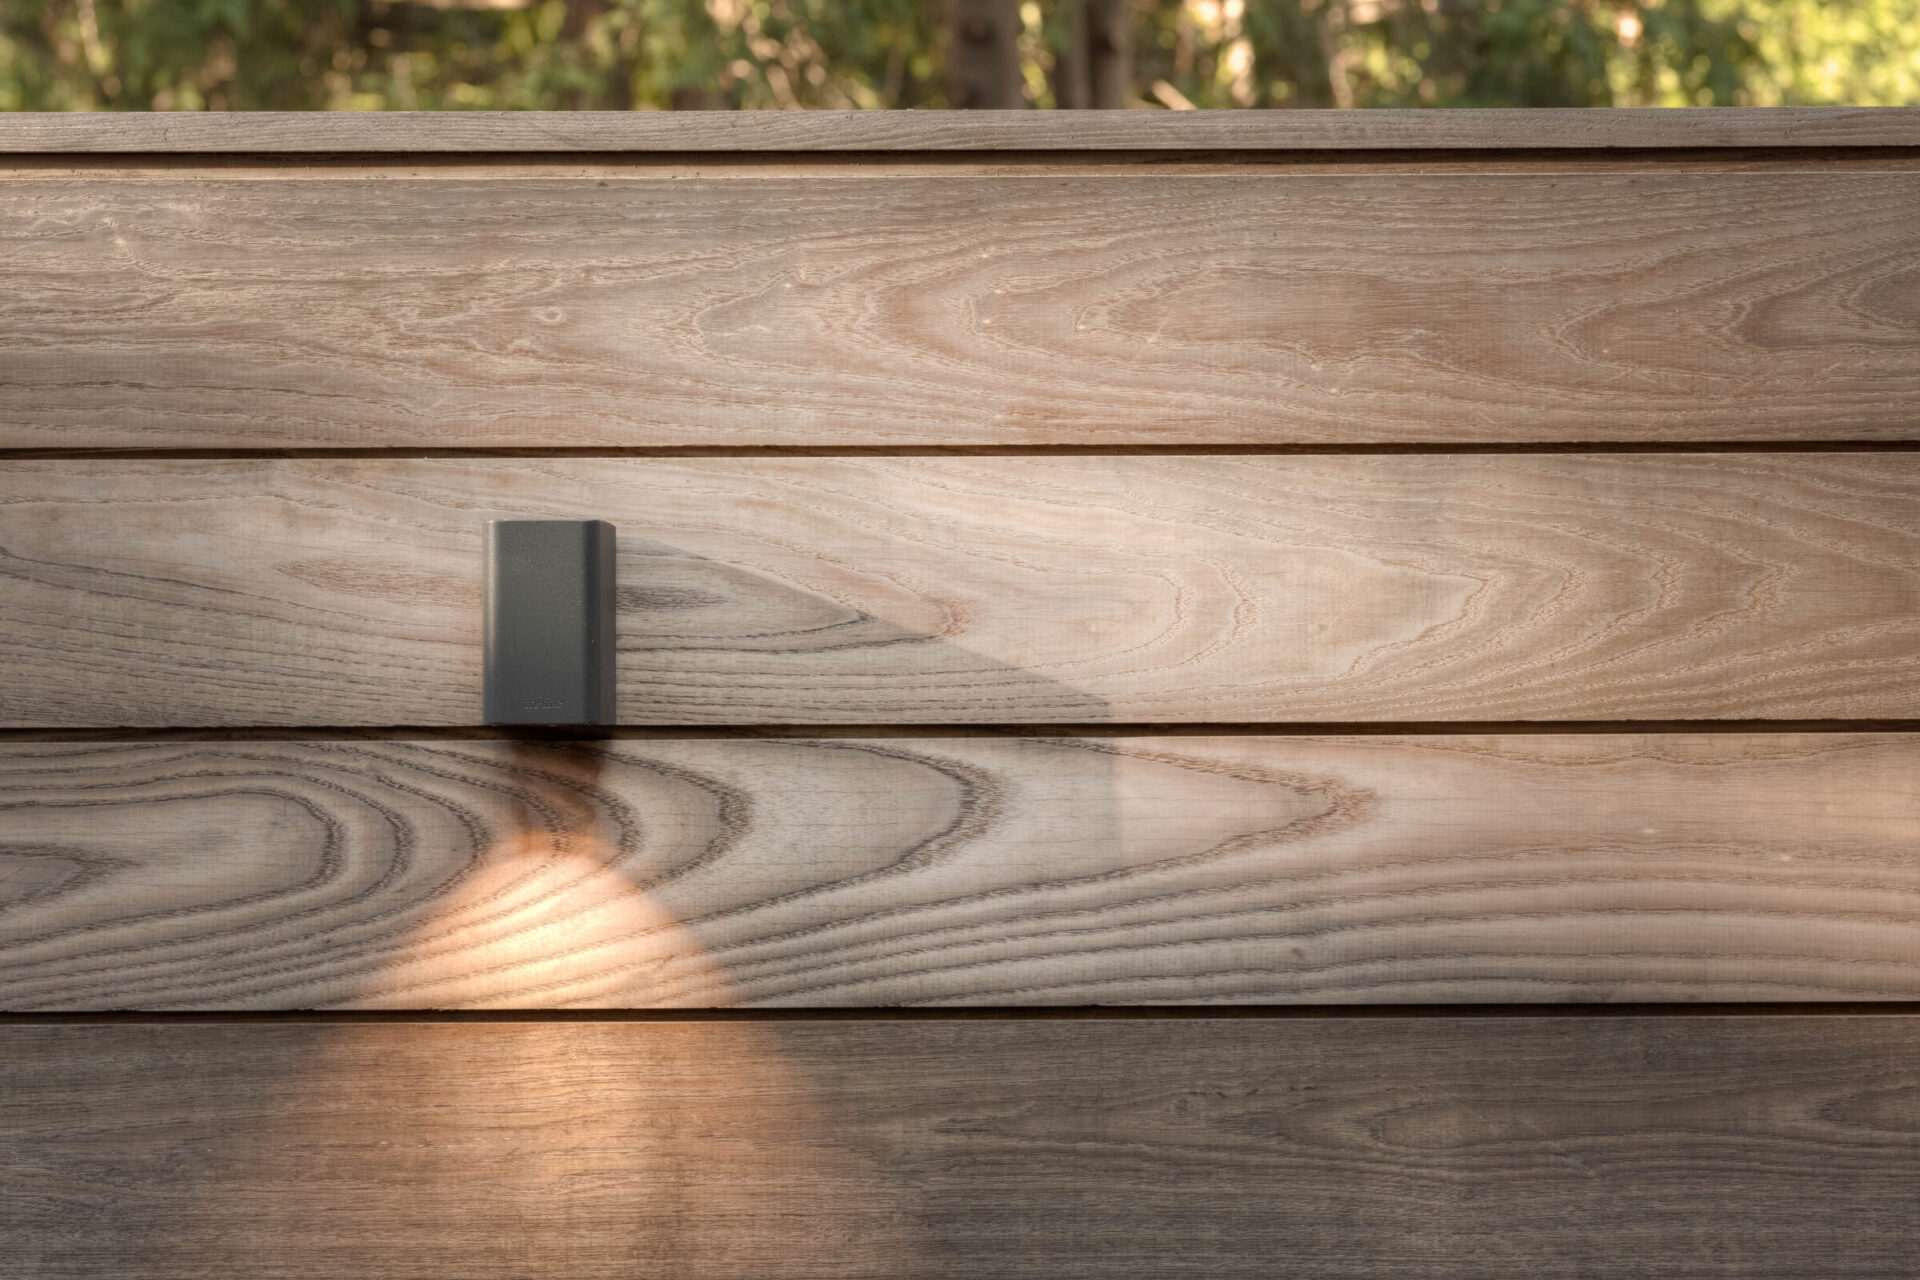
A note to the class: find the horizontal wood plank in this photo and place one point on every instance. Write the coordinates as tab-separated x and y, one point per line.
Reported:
888	307
1781	1148
843	872
802	131
1463	588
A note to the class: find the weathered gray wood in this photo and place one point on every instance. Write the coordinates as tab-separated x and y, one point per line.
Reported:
864	307
1746	1148
451	874
984	590
775	131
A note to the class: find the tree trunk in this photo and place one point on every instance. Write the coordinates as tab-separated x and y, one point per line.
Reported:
983	54
1070	60
1109	46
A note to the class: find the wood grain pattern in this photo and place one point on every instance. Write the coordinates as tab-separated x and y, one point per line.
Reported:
985	590
865	306
790	131
1745	1148
1433	869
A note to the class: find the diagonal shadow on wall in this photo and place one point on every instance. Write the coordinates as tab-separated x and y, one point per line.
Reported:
535	872
557	871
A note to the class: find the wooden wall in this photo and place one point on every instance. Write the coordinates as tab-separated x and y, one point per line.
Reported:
1264	694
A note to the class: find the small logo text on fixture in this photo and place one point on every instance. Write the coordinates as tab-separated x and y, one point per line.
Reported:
541	704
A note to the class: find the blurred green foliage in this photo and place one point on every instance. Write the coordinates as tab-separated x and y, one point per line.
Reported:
377	54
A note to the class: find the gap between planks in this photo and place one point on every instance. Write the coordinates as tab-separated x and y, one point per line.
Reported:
614	452
1091	729
992	1013
614	163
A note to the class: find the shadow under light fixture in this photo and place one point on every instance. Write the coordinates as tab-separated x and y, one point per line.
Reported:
547	647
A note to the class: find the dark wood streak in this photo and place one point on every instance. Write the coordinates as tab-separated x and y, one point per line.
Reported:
971	871
1610	1148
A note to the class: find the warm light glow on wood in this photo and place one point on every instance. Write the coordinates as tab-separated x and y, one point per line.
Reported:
699	1147
539	923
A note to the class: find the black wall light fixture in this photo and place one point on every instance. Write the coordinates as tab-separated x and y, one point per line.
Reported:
548	645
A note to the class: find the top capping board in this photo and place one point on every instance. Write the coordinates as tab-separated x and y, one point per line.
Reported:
957	131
